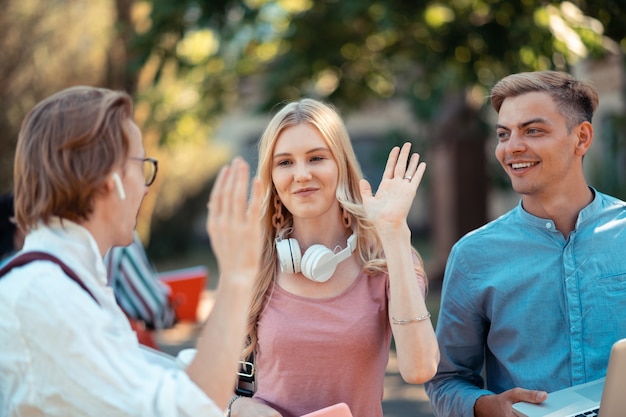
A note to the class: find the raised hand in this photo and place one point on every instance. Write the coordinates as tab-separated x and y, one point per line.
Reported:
395	194
233	223
235	230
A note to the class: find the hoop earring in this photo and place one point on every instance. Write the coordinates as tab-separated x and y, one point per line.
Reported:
347	218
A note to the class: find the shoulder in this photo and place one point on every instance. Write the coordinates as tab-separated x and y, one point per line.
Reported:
41	306
489	233
606	211
485	248
41	285
609	202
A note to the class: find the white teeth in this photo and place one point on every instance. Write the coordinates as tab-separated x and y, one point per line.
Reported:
522	165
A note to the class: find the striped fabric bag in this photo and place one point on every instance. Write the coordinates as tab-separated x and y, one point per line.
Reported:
138	290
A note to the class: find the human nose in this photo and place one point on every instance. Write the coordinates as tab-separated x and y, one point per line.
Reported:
515	144
302	173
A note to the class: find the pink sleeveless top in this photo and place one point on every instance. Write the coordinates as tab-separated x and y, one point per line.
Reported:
312	353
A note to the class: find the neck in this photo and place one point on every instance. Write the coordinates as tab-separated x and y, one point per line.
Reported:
331	236
562	209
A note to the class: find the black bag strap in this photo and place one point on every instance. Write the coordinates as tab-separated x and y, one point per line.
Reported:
245	381
28	257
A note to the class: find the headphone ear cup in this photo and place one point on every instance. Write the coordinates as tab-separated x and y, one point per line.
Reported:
289	255
318	263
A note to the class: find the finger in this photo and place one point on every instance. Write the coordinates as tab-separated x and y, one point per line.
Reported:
391	163
416	179
239	189
232	190
365	188
215	198
256	200
400	169
413	164
525	395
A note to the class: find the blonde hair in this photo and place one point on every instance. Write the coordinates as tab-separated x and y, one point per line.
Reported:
67	145
577	100
325	118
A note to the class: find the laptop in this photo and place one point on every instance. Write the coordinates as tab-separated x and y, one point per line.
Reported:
335	410
603	397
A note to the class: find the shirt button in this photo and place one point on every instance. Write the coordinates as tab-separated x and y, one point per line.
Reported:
548	225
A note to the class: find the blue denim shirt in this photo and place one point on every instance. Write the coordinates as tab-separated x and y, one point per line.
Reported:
537	310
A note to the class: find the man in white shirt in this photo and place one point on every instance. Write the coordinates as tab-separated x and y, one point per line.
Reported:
66	348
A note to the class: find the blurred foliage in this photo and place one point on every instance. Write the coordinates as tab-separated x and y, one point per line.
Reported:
611	173
45	45
48	45
181	89
188	62
351	50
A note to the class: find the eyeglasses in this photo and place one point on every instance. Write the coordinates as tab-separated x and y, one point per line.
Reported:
150	168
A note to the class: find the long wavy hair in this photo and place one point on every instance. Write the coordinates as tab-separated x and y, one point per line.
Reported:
325	118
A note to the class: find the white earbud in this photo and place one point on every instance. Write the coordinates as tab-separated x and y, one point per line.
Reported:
118	184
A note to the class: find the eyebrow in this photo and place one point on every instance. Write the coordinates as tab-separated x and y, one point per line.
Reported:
526	123
283	154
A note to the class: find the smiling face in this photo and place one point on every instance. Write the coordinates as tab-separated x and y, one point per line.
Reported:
535	148
304	172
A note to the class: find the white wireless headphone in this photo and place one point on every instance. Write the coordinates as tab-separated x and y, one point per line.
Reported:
118	184
318	262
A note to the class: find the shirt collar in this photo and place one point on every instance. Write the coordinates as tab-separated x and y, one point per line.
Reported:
548	224
70	242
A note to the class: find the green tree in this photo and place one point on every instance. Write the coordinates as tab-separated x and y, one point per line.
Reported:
37	58
440	56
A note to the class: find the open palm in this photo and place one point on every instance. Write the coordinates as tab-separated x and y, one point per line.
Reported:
397	188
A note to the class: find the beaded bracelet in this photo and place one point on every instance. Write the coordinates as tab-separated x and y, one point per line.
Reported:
416	319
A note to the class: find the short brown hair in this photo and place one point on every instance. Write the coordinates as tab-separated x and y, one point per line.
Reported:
577	100
68	144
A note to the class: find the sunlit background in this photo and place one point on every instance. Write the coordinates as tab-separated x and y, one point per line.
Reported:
207	75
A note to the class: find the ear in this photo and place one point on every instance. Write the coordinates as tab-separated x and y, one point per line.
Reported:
584	138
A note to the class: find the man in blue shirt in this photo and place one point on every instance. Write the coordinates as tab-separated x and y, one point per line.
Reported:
533	301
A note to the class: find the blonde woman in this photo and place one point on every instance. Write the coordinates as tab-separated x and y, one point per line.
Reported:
338	277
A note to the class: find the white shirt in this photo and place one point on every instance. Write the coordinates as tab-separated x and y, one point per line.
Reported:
62	354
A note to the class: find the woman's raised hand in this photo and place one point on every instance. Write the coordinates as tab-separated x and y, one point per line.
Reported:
393	198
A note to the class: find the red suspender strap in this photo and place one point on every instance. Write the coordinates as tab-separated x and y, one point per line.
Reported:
27	257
